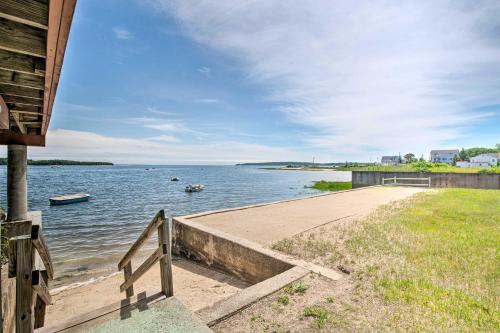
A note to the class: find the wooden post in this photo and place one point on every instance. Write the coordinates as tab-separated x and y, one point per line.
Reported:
394	180
166	261
127	272
24	293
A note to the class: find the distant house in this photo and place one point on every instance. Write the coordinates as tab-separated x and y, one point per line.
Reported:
443	156
481	161
390	160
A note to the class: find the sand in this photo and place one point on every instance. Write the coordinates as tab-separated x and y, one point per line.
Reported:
195	286
267	224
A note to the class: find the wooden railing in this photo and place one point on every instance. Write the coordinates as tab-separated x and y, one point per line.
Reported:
162	254
32	294
395	181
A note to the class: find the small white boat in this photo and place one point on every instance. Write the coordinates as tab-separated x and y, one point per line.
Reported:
194	188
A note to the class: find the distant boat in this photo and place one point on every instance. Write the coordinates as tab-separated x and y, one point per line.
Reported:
194	188
175	179
69	199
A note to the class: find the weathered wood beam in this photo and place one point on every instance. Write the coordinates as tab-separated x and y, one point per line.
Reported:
20	38
13	138
4	115
10	90
60	18
22	79
30	12
22	63
43	250
40	287
150	229
21	127
146	265
33	113
30	108
22	100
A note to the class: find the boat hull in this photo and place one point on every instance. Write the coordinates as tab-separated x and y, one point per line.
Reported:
58	202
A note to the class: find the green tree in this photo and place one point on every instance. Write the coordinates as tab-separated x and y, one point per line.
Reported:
410	157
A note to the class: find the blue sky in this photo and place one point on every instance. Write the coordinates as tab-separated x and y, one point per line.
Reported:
166	81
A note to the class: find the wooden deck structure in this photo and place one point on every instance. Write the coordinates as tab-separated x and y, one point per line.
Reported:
33	38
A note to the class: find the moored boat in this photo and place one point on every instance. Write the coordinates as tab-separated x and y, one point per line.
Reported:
69	199
174	179
194	188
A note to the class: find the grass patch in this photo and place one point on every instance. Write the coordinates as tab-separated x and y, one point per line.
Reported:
296	288
320	315
430	263
420	167
323	185
284	300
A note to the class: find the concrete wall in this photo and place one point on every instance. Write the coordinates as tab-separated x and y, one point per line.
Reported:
243	259
438	179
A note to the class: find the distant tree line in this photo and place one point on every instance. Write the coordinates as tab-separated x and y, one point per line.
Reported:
467	154
3	161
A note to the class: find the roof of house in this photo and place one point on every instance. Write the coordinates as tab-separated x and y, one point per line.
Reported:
488	154
445	151
390	158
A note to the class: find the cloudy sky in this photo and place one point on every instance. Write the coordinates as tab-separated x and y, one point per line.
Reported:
224	81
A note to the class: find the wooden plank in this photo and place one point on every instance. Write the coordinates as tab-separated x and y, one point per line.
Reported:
22	63
12	90
43	251
21	127
4	115
127	273
60	18
24	292
33	113
19	38
30	12
13	138
22	100
164	243
40	287
22	79
32	108
150	229
146	265
40	309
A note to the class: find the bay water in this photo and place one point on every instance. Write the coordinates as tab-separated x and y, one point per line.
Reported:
86	240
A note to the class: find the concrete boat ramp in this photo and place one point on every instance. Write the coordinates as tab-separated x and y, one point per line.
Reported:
235	242
268	223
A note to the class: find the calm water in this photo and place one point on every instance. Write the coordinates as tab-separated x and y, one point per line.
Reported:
88	239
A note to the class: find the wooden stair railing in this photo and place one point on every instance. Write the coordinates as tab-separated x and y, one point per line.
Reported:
32	293
162	254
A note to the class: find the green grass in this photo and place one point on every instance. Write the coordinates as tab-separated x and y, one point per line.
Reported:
296	288
284	300
432	261
416	167
320	315
331	186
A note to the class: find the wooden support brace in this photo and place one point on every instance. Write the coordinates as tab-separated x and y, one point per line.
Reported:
166	260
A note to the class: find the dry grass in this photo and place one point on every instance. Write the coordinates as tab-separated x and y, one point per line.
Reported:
429	263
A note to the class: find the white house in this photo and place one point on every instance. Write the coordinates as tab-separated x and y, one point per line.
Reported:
443	156
390	160
481	161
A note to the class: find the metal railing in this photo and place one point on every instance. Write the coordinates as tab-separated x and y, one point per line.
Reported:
162	254
396	181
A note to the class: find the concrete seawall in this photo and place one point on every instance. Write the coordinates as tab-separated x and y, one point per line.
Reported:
438	179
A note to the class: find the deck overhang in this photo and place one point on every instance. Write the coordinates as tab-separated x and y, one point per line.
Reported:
33	38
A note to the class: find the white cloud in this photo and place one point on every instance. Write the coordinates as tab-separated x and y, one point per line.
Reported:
78	145
207	100
164	138
160	124
122	33
385	75
205	71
